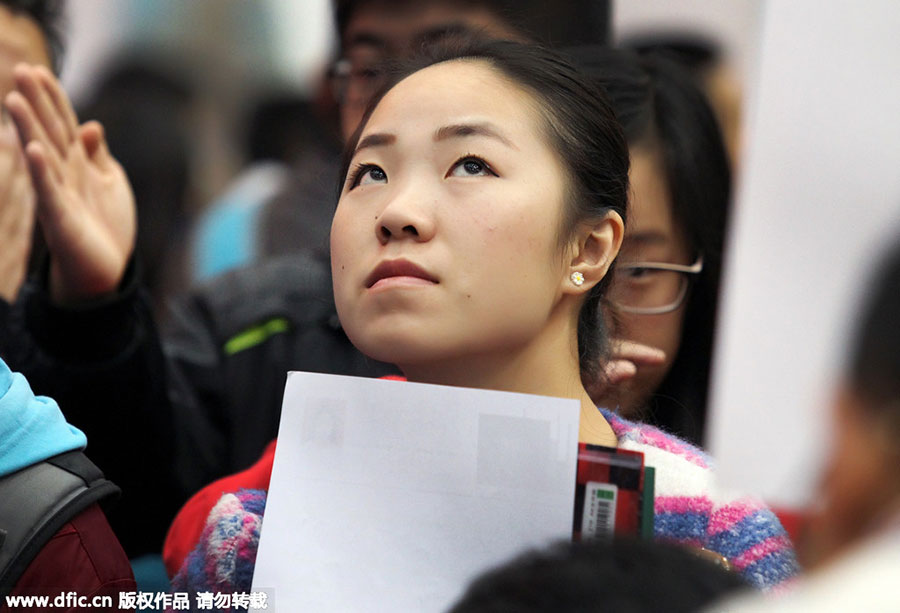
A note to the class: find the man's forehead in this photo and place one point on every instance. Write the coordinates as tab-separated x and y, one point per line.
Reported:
397	29
21	40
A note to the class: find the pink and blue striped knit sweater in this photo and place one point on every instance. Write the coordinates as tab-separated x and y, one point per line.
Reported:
689	510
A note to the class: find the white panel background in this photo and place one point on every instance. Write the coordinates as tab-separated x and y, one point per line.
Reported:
820	196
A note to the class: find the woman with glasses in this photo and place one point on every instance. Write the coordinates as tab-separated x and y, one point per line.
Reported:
662	302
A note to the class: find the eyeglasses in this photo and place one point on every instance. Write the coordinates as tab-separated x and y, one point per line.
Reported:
652	288
355	81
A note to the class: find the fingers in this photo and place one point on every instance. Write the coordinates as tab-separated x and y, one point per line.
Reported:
31	131
61	102
46	184
43	114
10	155
613	372
626	358
43	160
35	83
94	141
24	197
637	353
619	371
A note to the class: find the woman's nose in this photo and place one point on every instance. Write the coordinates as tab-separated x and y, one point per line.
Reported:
407	216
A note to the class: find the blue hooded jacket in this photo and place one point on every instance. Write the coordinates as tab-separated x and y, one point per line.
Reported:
32	428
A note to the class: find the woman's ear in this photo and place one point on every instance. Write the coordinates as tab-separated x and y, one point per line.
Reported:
594	247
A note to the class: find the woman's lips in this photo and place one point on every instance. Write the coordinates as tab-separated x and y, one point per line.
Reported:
399	272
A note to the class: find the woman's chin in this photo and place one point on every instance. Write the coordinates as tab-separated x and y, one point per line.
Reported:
404	355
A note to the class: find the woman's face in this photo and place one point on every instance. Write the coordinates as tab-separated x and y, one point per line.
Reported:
652	235
445	243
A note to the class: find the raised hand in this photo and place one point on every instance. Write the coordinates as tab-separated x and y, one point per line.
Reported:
16	213
84	201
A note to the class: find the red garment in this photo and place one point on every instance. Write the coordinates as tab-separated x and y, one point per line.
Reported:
84	557
795	522
188	524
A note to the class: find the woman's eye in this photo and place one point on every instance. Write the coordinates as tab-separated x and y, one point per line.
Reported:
368	174
636	272
471	167
373	175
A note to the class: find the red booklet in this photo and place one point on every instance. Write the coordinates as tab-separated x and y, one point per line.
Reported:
610	497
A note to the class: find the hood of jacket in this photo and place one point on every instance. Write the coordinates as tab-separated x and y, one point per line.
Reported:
32	428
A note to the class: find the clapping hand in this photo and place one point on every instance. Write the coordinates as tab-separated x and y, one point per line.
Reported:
84	201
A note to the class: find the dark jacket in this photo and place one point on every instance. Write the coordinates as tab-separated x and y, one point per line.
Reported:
166	417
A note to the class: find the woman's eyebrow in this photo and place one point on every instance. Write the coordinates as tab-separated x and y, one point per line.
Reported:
471	129
375	140
648	237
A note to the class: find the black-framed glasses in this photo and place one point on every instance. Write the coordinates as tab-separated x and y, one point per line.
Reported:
652	288
354	80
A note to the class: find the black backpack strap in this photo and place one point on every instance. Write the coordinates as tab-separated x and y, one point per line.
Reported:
37	501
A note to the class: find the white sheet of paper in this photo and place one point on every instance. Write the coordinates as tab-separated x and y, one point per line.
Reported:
819	201
392	496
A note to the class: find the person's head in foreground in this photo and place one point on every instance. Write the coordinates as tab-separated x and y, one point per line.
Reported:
861	488
665	291
482	208
625	576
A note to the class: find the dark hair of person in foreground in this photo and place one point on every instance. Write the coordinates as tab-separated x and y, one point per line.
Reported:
621	575
874	369
860	489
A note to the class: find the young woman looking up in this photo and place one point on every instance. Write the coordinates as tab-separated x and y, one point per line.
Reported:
474	231
481	211
662	304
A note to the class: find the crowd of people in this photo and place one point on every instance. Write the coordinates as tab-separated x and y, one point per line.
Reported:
508	217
